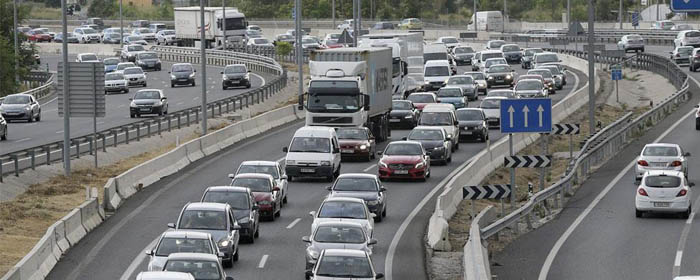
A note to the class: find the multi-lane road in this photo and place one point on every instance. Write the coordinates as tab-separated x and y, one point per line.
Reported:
22	135
597	235
115	250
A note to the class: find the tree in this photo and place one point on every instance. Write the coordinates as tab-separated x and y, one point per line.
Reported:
103	8
8	84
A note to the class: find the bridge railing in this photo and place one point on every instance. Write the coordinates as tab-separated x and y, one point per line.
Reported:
46	80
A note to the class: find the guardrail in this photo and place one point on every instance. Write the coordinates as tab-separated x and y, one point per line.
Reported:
269	52
44	90
620	134
15	162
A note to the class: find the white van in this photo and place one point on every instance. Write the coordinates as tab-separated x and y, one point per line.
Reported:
481	62
435	74
313	152
487	21
442	115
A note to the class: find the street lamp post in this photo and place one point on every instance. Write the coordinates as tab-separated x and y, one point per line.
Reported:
16	42
620	14
203	49
223	22
591	67
121	26
66	93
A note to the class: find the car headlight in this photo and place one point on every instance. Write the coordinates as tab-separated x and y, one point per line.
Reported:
373	202
172	77
244	220
325	163
223	77
158	103
427	82
382	164
132	104
312	253
223	243
290	162
192	75
247	76
490	78
363	147
419	165
27	107
439	149
408	117
508	77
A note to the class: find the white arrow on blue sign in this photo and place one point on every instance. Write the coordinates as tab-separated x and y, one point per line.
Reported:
526	115
682	6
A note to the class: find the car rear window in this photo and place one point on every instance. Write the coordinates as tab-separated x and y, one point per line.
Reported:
662	181
692	34
660	151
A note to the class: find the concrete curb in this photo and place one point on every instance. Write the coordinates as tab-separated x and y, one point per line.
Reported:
40	260
13	274
194	150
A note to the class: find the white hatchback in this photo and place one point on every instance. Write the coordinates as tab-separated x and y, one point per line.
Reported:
661	156
663	191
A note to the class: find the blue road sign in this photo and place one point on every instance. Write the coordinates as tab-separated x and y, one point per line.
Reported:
526	115
616	74
635	19
683	6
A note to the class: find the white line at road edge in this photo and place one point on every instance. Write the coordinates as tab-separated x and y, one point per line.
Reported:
679	255
560	242
263	261
682	241
22	140
259	77
137	261
294	223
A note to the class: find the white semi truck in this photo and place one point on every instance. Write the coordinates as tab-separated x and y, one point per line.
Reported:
350	87
407	59
187	26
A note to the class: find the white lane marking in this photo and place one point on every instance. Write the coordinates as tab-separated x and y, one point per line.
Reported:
575	81
682	241
294	223
679	256
259	77
52	100
195	98
138	260
100	122
369	167
121	106
560	242
22	140
180	103
263	261
59	132
690	219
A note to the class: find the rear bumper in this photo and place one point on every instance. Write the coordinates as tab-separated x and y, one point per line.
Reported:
309	171
675	206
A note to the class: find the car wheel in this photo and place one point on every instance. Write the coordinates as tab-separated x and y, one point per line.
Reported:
38	117
223	87
172	85
272	216
145	84
378	218
279	211
686	214
457	145
284	200
194	84
133	116
638	214
235	257
251	239
248	86
384	212
227	263
257	231
31	117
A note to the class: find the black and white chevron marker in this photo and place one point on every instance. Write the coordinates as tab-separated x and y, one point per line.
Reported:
486	192
527	161
566	128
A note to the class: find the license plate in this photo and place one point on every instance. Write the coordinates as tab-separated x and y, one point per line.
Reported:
467	132
307	170
182	79
662	204
658	164
401	171
394	120
347	151
145	109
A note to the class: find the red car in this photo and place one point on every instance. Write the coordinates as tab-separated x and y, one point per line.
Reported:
404	159
266	192
356	142
420	99
38	36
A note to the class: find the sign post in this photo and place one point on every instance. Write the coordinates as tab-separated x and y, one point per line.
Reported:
616	72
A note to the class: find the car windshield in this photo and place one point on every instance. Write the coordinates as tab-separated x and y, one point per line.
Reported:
111	61
122	66
147	95
421	98
469	115
544	58
253	32
203	219
449	92
237	200
496	44
37	32
352	133
308	41
339	234
660	151
400	105
168	32
425	134
181	68
134	38
310	145
344	267
528	85
460	80
634	37
168	246
254	184
553	69
16	99
356	184
89	31
531	52
235	69
460	50
662	181
437	71
544	73
114	76
200	270
259	169
403	150
148	55
133	71
342	209
261	41
499	69
492	62
135	48
450	40
436	118
490	104
685	51
331	41
88	57
477	76
320	101
511	48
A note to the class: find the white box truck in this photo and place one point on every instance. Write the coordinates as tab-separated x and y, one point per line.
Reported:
407	59
350	87
487	21
187	25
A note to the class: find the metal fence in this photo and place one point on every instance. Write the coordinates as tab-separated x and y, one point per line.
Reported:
617	137
15	162
269	52
45	82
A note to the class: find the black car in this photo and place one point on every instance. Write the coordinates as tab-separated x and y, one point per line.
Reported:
245	209
383	25
511	53
472	124
403	113
500	75
148	101
236	75
3	128
148	60
70	38
528	54
182	74
463	55
435	141
363	186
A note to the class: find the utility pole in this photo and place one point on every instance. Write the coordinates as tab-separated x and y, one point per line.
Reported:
505	15
333	13
16	26
66	93
568	13
620	14
359	20
657	10
299	51
203	49
591	67
121	26
223	22
354	22
476	27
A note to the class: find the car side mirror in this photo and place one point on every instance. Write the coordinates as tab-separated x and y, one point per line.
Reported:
336	150
149	252
285	149
255	207
697	106
329	188
372	242
171	225
306	239
131	99
404	138
248	71
284	177
448	138
235	227
221	72
379	153
692	184
379	276
312	213
309	273
169	72
372	215
276	189
231	175
456	123
382	189
687	154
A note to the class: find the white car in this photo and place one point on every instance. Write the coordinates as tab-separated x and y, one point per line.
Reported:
164	275
347	209
87	35
134	40
180	241
347	24
339	263
665	192
486	64
661	156
681	55
145	33
336	235
687	38
135	76
492	109
166	37
272	168
123	65
631	42
260	42
129	52
543	58
495	44
435	74
115	82
480	63
448	41
87	57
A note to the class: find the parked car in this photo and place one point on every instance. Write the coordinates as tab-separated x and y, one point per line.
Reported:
472	124
530	89
134	40
404	160
357	142
681	55
245	209
403	113
135	76
148	60
500	75
37	35
267	193
350	209
216	219
111	38
20	107
382	25
110	64
235	75
87	57
3	128
148	101
71	39
512	53
179	241
115	82
364	186
661	156
46	31
462	55
336	235
467	84
665	192
452	95
492	109
631	42
128	52
201	266
167	37
420	99
435	141
411	24
86	35
182	74
528	54
480	79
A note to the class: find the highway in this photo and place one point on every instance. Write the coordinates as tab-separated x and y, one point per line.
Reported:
596	236
22	135
115	249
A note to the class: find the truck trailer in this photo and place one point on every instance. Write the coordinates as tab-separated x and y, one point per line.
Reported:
407	59
187	26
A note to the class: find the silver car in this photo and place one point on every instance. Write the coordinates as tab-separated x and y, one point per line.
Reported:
180	241
343	263
115	82
336	235
661	156
135	76
335	209
271	168
20	107
201	266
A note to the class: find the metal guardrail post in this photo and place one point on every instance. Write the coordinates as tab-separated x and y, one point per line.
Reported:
47	149
160	120
148	127
126	131
77	147
32	159
90	144
115	135
104	142
179	116
15	159
138	131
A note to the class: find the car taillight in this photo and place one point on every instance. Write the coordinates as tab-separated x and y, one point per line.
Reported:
678	55
642	192
676	163
682	193
643	163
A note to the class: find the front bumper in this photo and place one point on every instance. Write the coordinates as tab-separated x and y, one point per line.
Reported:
513	58
493	122
500	82
154	66
136	82
231	83
471	132
247	229
678	204
401	121
309	171
266	209
16	115
146	110
185	81
436	154
433	86
116	88
413	173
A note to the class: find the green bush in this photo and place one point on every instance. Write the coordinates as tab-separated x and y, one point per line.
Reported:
283	48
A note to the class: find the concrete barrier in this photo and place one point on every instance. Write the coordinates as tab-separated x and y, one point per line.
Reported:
13	274
55	249
74	226
59	234
194	150
90	215
264	122
210	143
250	128
111	200
230	135
39	261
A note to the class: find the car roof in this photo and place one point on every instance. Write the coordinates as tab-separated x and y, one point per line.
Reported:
528	80
490	51
405	142
422	93
469	109
450	87
344	252
348	199
357	175
439	107
340	223
206	206
254	175
193	256
442	62
136	67
460	76
164	275
425	127
189	234
494	97
662	145
259	162
180	64
226	189
314	131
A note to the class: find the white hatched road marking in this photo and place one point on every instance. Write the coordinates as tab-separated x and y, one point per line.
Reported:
294	223
263	261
